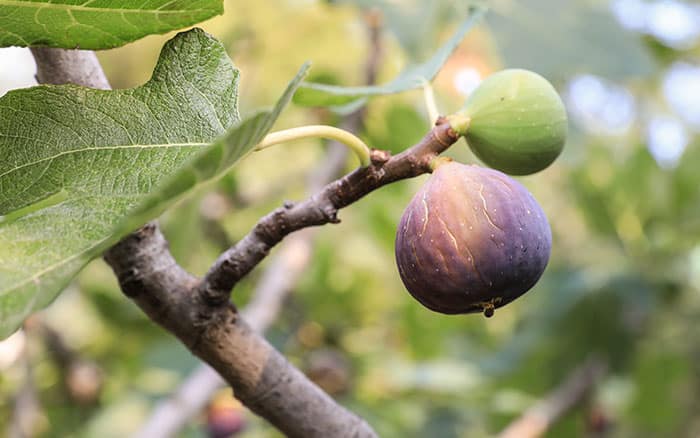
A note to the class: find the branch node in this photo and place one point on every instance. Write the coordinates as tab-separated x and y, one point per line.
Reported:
379	157
131	283
331	214
213	297
444	142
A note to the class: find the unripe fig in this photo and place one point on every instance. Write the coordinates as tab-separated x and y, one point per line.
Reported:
471	240
518	122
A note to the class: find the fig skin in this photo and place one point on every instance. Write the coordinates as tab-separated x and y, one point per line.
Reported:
518	122
471	240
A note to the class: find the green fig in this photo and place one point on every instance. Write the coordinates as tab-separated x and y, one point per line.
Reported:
517	122
471	240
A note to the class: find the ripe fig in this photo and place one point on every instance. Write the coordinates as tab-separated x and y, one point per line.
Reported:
471	240
517	122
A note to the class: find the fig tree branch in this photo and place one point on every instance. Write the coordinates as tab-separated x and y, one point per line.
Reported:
57	66
259	375
536	420
171	414
321	208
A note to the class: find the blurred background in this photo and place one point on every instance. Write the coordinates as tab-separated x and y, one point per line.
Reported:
615	313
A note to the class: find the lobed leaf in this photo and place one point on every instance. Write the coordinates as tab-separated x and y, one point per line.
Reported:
315	94
96	24
81	167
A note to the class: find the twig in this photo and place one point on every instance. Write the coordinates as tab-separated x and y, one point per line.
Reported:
536	420
320	209
292	258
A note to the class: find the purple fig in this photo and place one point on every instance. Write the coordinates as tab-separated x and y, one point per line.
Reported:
471	240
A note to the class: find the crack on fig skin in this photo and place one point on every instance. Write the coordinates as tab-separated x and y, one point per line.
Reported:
427	214
444	261
449	233
471	255
408	221
500	180
413	242
415	255
486	209
456	245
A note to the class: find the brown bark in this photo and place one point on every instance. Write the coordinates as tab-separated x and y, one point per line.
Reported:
58	66
279	278
259	375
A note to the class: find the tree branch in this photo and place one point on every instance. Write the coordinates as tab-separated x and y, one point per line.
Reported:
261	378
172	413
80	67
535	421
279	278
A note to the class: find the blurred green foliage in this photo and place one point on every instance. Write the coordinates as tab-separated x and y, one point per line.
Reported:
622	281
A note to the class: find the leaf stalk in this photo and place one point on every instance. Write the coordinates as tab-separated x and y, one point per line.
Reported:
314	131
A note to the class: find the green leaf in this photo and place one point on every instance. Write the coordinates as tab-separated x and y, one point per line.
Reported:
213	162
529	36
314	94
81	168
96	24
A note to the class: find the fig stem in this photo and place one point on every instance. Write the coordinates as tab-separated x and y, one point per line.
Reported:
315	131
430	103
438	161
459	122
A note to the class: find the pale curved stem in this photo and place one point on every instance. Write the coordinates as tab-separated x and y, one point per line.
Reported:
430	103
314	131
